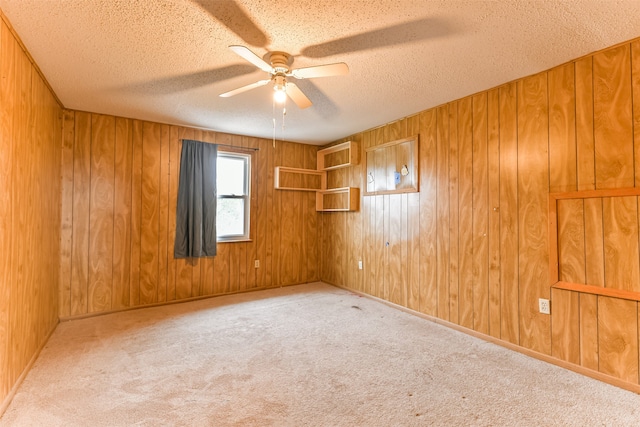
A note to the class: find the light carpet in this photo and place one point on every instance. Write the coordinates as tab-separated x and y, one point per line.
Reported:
307	355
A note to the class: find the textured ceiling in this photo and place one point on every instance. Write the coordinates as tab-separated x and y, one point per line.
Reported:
168	60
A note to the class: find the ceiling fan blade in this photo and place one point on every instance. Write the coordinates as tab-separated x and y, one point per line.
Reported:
297	96
251	57
236	19
189	81
338	69
245	88
405	32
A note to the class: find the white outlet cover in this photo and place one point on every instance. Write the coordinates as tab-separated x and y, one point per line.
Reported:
544	306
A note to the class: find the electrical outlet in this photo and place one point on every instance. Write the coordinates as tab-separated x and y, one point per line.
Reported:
256	263
544	306
359	264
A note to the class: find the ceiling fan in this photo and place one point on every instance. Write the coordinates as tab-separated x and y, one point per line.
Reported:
279	71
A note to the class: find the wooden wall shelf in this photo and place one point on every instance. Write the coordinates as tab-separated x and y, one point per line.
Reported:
286	178
327	200
339	156
338	200
392	168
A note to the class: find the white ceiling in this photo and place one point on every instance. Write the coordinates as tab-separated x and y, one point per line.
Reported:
168	60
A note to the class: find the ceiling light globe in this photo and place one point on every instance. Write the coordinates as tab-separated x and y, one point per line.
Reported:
279	96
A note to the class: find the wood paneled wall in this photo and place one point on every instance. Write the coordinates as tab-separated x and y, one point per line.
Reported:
29	211
119	192
472	246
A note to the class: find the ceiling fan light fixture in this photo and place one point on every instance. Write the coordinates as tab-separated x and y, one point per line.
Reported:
280	96
279	89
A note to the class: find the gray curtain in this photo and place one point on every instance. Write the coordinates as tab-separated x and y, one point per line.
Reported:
197	202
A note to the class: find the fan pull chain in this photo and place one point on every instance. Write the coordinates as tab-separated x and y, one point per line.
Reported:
273	114
274	132
284	113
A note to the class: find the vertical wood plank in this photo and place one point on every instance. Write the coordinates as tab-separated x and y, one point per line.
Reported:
101	213
260	207
222	270
509	223
571	241
394	250
443	212
264	196
594	242
562	129
589	331
428	258
493	156
174	168
81	206
585	148
565	325
268	276
618	338
620	219
163	216
379	248
612	109
252	247
136	214
533	187
356	224
7	106
66	226
480	215
24	124
291	205
122	213
150	212
275	224
367	228
465	144
454	218
413	225
385	265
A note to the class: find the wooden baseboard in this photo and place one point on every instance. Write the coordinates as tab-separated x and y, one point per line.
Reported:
617	382
9	397
180	301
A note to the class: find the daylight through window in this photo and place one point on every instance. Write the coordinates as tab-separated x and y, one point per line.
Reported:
234	189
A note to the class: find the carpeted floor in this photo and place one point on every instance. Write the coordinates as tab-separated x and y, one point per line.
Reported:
308	355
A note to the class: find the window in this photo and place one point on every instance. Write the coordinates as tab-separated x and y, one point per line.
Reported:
234	195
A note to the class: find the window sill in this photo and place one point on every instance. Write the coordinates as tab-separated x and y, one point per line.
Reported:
235	241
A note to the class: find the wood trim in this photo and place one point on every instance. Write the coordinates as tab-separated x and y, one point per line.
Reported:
598	290
553	221
414	172
553	240
353	199
165	303
592	194
278	169
617	382
353	156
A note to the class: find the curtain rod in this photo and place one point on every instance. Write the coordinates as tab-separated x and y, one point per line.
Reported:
226	145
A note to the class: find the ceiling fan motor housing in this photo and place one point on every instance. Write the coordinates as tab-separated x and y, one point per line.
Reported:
280	62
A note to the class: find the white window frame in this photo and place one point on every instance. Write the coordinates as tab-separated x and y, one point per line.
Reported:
246	157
